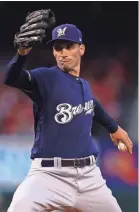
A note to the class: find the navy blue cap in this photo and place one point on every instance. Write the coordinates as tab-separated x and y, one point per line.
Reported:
66	32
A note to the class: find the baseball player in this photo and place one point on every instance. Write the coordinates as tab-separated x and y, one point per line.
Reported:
63	173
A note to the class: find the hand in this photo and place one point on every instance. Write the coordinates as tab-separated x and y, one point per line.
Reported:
122	135
24	51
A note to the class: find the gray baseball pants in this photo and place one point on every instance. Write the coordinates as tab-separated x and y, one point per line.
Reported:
49	188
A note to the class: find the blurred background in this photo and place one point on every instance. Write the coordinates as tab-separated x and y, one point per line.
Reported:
110	31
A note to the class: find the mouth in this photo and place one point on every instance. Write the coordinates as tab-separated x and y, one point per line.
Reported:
64	61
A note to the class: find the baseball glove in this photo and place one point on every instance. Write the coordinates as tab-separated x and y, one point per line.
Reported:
34	29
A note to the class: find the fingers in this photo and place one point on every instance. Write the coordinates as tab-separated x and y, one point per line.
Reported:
23	51
31	33
26	27
38	18
129	145
38	13
125	140
27	42
115	141
46	16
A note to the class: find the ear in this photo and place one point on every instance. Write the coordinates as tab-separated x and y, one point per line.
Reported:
54	52
82	49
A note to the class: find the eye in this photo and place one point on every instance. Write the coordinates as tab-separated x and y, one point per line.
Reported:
69	46
57	47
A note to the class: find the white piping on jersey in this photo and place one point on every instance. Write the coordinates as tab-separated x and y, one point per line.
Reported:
26	90
29	76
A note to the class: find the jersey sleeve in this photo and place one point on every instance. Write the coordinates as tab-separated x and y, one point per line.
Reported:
103	118
26	81
16	76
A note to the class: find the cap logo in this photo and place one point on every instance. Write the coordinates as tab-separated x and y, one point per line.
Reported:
61	31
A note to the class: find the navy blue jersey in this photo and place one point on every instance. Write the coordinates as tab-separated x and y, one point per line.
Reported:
64	108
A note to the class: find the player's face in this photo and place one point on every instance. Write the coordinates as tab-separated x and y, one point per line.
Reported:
68	54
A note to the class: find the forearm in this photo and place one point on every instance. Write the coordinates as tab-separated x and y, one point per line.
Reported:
14	70
104	119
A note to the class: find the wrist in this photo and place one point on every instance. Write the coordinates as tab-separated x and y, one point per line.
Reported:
23	52
114	128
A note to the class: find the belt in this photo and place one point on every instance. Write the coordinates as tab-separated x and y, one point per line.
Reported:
77	162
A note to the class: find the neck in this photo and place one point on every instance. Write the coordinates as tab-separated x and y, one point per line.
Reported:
75	72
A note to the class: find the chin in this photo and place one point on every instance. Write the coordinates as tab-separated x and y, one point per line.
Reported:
67	68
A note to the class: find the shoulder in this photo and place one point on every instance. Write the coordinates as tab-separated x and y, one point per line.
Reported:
88	86
85	82
43	71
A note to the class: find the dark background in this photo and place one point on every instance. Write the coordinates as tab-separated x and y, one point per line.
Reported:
102	23
106	26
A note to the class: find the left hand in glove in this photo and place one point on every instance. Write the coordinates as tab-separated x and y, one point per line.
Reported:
34	29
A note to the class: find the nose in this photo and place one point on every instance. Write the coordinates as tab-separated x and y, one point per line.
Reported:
64	53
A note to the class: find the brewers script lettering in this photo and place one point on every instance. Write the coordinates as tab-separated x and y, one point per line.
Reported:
66	112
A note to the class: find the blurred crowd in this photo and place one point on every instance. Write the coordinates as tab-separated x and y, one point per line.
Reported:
111	80
15	112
